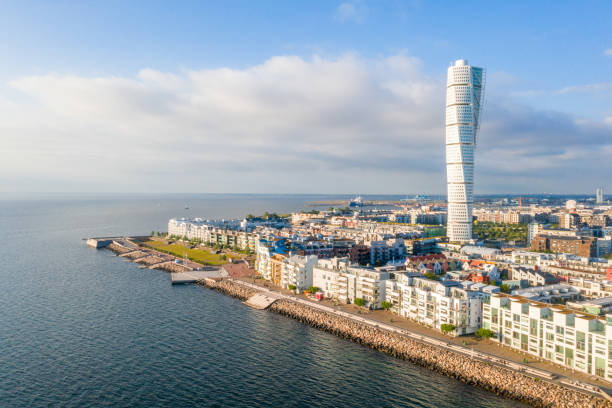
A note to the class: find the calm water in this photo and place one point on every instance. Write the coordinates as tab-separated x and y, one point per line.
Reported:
80	327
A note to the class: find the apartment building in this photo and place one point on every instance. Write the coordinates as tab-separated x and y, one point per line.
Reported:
570	338
382	252
535	277
434	303
213	232
586	247
338	280
592	288
531	258
297	271
555	293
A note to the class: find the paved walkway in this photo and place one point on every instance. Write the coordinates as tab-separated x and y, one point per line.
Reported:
484	350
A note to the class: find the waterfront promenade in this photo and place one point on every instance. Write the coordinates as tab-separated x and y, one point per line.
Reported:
488	349
494	376
445	342
426	349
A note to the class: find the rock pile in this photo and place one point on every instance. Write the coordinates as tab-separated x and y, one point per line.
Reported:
501	381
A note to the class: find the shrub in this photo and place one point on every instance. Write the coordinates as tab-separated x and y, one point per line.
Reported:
313	289
484	333
385	305
359	302
292	287
447	328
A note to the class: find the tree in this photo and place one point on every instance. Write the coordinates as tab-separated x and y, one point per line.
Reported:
447	328
432	276
291	287
359	302
484	333
313	289
505	288
385	305
152	233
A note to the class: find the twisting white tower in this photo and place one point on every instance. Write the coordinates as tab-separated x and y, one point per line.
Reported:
464	92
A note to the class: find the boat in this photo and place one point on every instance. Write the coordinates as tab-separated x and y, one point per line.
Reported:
356	202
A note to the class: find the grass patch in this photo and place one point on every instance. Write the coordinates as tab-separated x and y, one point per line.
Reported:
197	255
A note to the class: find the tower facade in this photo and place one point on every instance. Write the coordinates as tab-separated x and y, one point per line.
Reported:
464	92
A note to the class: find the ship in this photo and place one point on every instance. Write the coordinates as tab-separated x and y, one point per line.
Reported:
356	202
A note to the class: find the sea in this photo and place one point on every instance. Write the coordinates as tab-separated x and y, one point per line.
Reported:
80	327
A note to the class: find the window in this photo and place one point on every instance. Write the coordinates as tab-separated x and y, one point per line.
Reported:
580	341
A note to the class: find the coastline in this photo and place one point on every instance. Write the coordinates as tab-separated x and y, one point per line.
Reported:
499	380
505	382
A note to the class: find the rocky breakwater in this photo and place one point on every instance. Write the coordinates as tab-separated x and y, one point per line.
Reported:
502	381
229	288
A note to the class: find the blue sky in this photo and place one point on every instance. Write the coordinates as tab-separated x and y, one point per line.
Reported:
549	61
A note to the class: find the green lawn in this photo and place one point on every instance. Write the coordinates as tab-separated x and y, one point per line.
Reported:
509	232
202	256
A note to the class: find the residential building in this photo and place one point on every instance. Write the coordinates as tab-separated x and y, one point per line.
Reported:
554	293
342	282
592	288
535	277
297	271
464	92
586	247
434	303
567	337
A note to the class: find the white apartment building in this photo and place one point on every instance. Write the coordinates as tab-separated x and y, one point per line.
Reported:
213	232
434	303
531	258
570	338
262	261
344	283
535	278
592	288
464	92
297	271
555	293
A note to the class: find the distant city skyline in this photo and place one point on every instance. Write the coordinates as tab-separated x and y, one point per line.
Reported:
314	97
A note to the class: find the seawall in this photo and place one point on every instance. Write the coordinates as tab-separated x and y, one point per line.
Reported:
501	381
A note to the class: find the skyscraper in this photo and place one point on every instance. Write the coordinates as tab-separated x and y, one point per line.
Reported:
464	93
599	196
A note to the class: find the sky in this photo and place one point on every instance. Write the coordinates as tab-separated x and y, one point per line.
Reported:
299	96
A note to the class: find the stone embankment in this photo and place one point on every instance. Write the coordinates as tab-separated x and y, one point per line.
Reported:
229	288
499	380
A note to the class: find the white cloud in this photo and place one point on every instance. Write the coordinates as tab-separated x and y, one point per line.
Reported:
598	87
351	11
608	52
287	125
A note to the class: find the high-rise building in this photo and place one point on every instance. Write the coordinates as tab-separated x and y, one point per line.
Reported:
464	93
599	195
